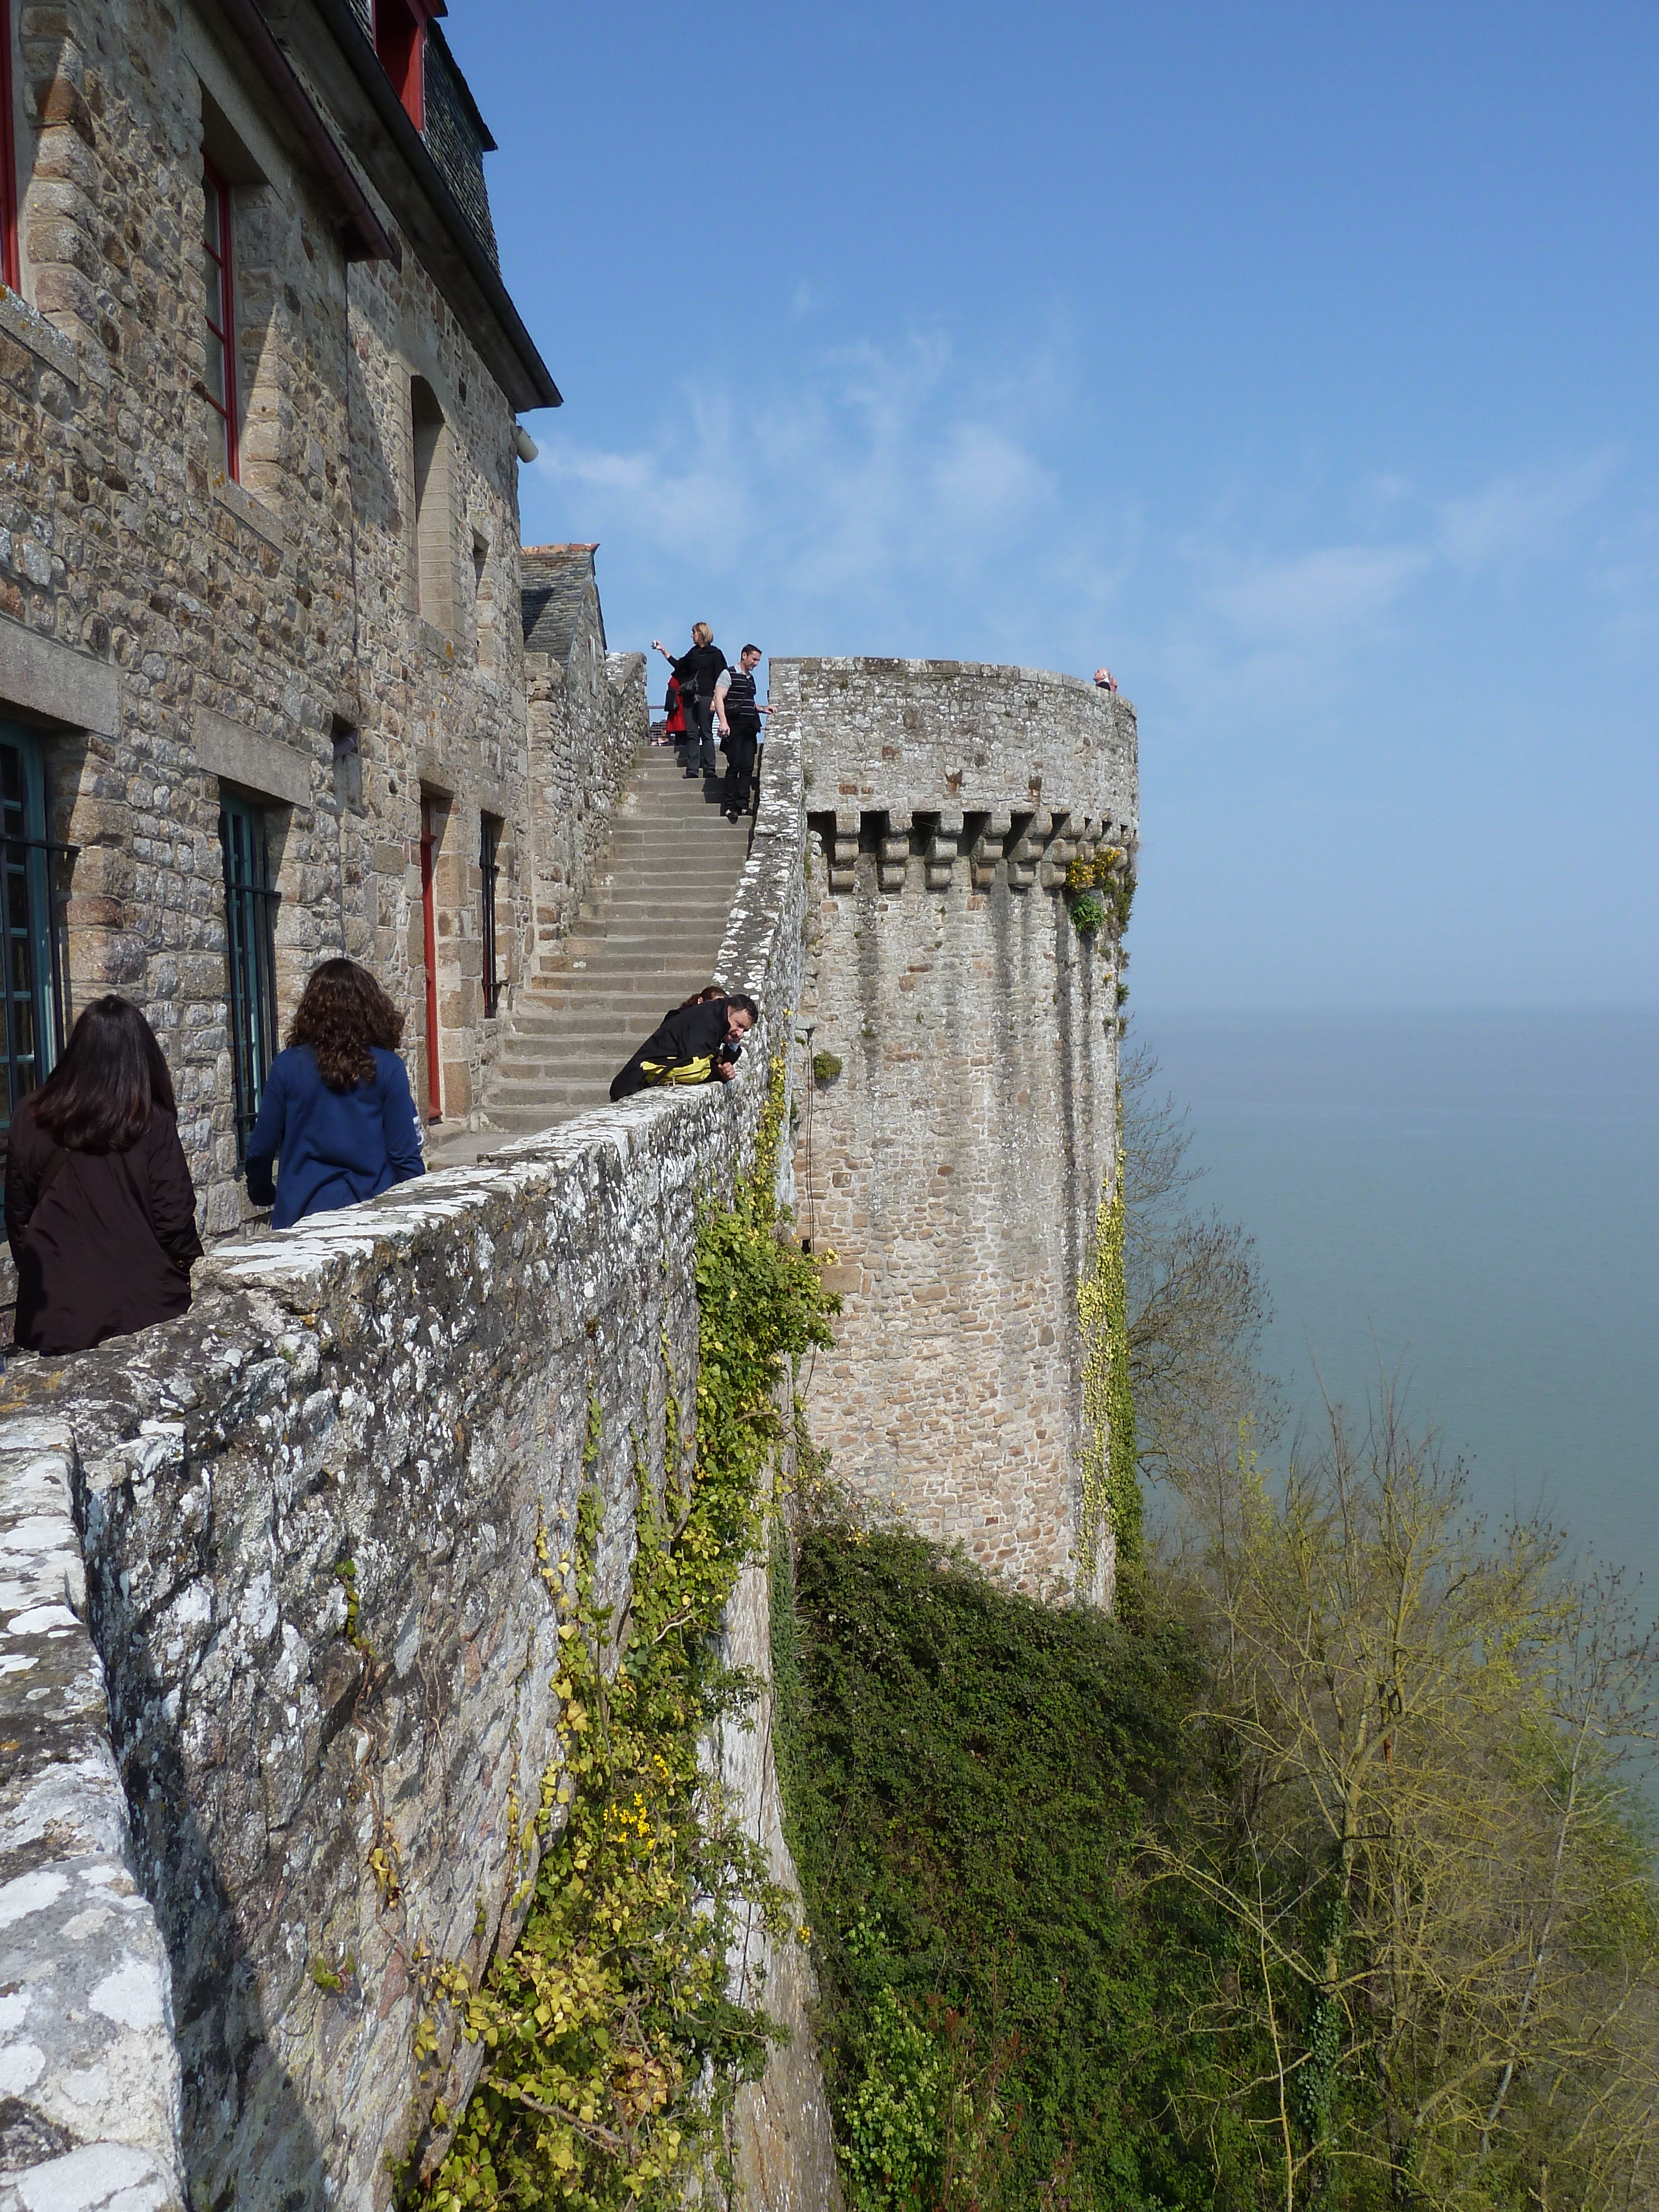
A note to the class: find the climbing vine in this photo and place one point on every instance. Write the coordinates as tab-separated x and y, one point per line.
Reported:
1111	1489
613	2048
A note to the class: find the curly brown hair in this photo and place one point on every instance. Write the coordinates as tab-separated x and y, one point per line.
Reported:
342	1014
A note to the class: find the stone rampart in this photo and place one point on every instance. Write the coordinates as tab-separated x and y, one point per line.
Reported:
954	1156
310	1511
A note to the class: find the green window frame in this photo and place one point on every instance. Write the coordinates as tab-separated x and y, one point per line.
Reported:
251	903
33	982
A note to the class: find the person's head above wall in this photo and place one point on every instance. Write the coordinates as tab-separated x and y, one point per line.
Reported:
342	1014
113	1076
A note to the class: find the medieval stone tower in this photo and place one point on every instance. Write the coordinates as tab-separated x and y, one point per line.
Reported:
955	1158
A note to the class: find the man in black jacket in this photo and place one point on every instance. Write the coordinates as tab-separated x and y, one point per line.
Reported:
696	1043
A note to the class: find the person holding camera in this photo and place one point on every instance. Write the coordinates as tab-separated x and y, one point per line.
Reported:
701	1043
697	672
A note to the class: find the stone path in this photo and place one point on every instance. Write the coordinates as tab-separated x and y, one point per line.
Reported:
646	938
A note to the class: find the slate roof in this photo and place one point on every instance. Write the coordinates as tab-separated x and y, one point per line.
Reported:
457	138
554	584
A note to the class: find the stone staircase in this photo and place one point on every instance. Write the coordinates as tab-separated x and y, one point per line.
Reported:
645	938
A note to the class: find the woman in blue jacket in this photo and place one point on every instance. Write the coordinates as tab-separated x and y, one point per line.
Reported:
337	1120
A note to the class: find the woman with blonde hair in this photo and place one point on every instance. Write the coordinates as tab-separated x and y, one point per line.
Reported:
337	1121
698	672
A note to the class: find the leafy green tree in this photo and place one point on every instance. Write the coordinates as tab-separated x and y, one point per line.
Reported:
1426	1836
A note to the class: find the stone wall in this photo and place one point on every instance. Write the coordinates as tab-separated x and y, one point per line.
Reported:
88	2073
311	1512
954	1161
587	718
168	635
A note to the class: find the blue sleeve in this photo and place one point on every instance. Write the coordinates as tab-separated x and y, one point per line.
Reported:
266	1138
399	1120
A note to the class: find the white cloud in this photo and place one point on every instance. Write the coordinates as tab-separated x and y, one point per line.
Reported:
1518	517
882	477
886	499
1337	589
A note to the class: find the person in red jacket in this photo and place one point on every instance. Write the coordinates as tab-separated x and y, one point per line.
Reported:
101	1213
673	729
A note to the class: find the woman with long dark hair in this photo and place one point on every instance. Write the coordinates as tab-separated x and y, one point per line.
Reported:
337	1120
101	1213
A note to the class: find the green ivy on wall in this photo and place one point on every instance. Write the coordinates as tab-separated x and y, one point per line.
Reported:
1111	1487
612	2049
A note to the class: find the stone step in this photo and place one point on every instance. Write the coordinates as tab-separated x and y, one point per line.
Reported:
644	941
599	1017
673	948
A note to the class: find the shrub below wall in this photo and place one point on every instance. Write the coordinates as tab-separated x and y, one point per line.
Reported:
967	1775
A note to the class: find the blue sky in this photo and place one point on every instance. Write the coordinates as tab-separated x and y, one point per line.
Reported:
1299	362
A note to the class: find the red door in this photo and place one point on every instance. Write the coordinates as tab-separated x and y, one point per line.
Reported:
429	916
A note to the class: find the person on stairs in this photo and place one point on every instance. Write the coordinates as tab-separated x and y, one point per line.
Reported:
696	1043
697	672
100	1210
673	727
739	717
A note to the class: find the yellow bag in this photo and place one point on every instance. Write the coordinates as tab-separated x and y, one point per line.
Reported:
677	1070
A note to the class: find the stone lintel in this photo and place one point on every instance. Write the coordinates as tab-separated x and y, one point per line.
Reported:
44	678
269	766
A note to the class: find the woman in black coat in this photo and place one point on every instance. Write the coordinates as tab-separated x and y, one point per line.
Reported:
697	674
101	1213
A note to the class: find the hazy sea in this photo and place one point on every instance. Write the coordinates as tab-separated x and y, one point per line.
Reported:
1471	1199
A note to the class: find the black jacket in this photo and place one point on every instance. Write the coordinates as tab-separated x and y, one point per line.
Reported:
699	670
689	1033
108	1248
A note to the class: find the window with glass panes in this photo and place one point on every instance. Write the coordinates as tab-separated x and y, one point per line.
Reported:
218	284
31	967
251	928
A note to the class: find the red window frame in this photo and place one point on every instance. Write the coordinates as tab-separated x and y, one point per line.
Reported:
220	285
9	270
400	42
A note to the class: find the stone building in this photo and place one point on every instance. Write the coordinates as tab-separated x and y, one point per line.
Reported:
261	668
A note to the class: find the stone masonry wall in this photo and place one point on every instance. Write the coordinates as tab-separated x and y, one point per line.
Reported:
310	1512
956	1162
169	634
587	718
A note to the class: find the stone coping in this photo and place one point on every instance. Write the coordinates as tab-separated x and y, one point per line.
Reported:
89	2082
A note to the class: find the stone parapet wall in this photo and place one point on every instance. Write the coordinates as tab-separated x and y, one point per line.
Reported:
955	1158
311	1512
88	2073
